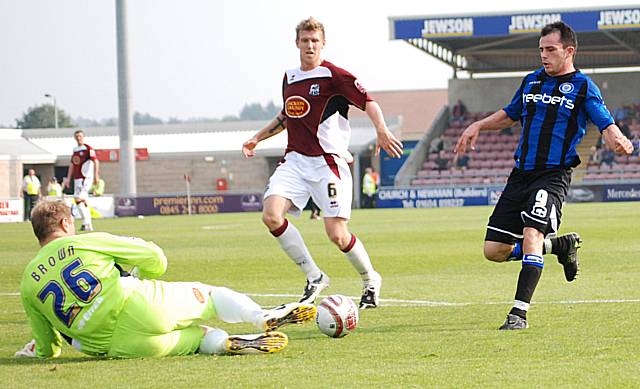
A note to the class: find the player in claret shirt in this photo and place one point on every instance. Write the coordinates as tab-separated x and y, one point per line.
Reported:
83	173
316	99
553	105
74	289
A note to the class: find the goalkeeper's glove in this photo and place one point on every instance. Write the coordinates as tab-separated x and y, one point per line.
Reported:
29	350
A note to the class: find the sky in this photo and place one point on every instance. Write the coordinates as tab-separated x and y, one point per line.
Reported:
207	58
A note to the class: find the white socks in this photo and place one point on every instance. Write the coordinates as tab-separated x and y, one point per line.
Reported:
359	258
292	243
547	246
214	342
521	305
85	213
234	307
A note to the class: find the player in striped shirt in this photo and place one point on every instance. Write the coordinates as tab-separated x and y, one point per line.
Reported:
553	104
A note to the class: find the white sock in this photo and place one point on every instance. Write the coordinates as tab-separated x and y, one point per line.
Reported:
359	258
234	307
521	305
85	212
547	246
292	243
213	342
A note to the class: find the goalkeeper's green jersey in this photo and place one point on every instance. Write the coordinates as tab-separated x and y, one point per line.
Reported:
73	288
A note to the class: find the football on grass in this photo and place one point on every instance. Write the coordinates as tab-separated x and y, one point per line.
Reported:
337	316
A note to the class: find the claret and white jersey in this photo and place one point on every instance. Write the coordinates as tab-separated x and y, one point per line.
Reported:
83	162
316	105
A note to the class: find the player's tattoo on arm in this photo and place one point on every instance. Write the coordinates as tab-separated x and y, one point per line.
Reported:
279	125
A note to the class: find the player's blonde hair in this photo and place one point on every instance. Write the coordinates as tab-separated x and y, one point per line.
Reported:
46	217
311	24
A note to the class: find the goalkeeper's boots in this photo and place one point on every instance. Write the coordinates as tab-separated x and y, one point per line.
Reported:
371	292
313	289
292	313
514	322
269	342
567	250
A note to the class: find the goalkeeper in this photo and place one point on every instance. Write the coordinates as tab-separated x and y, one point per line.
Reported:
73	290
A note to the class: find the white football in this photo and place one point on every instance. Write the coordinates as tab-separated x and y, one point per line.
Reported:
337	316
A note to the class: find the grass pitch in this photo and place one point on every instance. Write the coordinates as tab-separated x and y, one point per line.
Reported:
437	327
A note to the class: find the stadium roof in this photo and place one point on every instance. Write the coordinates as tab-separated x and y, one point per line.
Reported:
190	138
607	37
14	147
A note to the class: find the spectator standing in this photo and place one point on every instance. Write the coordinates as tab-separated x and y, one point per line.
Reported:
97	189
461	162
624	127
442	162
376	177
30	192
315	210
608	157
54	189
458	111
436	145
636	144
596	155
369	188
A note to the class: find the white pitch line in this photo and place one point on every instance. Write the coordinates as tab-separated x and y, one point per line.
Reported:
409	303
428	303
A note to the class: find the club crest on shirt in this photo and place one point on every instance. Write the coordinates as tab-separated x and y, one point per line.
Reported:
297	107
360	87
198	295
566	87
314	90
75	160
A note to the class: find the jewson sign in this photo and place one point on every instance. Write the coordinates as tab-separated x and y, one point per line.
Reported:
454	26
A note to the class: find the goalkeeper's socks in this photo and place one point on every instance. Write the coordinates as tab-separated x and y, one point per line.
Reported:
292	243
532	265
516	253
234	307
359	258
213	342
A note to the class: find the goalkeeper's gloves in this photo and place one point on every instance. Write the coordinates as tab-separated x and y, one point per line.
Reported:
29	350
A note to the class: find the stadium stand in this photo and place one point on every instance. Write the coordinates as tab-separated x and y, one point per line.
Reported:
492	160
490	163
605	167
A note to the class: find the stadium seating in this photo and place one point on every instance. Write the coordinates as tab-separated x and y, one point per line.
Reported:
623	168
492	160
490	163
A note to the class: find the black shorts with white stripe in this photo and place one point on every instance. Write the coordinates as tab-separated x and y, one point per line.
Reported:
530	199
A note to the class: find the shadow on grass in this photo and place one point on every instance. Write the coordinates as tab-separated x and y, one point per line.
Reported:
12	361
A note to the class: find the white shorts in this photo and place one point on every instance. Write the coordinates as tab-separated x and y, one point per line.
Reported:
325	179
81	188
